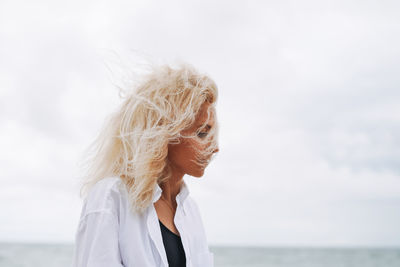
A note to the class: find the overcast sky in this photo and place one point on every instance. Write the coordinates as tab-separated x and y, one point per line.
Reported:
308	110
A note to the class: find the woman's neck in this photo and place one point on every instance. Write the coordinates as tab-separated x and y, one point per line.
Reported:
171	187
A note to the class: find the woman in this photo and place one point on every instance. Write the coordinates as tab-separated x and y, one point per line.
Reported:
137	209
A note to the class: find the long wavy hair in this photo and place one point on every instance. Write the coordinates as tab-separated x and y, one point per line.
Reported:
133	143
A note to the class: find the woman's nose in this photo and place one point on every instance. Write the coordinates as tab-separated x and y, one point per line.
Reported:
216	150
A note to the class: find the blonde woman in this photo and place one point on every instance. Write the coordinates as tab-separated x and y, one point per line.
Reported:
137	211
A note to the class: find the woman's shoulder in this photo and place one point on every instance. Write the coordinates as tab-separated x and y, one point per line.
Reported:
106	184
104	195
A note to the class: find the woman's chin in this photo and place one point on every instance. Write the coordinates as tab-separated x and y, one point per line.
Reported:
198	173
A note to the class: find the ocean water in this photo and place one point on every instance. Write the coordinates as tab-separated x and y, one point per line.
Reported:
306	257
59	255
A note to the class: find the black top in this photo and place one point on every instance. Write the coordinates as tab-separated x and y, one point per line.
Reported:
173	247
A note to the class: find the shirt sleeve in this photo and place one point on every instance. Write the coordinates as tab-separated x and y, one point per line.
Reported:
96	241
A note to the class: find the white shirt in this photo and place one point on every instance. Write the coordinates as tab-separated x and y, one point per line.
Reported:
110	235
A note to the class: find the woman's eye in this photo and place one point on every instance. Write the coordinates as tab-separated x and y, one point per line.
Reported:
202	134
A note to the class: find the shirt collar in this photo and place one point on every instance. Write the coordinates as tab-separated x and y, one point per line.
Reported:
182	195
184	192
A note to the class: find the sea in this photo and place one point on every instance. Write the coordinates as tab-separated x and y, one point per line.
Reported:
60	255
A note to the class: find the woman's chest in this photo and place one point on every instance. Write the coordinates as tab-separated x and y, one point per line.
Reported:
141	241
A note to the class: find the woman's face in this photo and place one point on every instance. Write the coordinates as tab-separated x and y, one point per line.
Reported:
183	156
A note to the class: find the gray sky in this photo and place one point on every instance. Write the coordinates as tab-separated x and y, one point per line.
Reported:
308	112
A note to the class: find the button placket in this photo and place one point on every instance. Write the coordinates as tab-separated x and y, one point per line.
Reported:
179	224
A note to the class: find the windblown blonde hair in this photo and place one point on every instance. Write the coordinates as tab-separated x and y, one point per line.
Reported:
133	143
